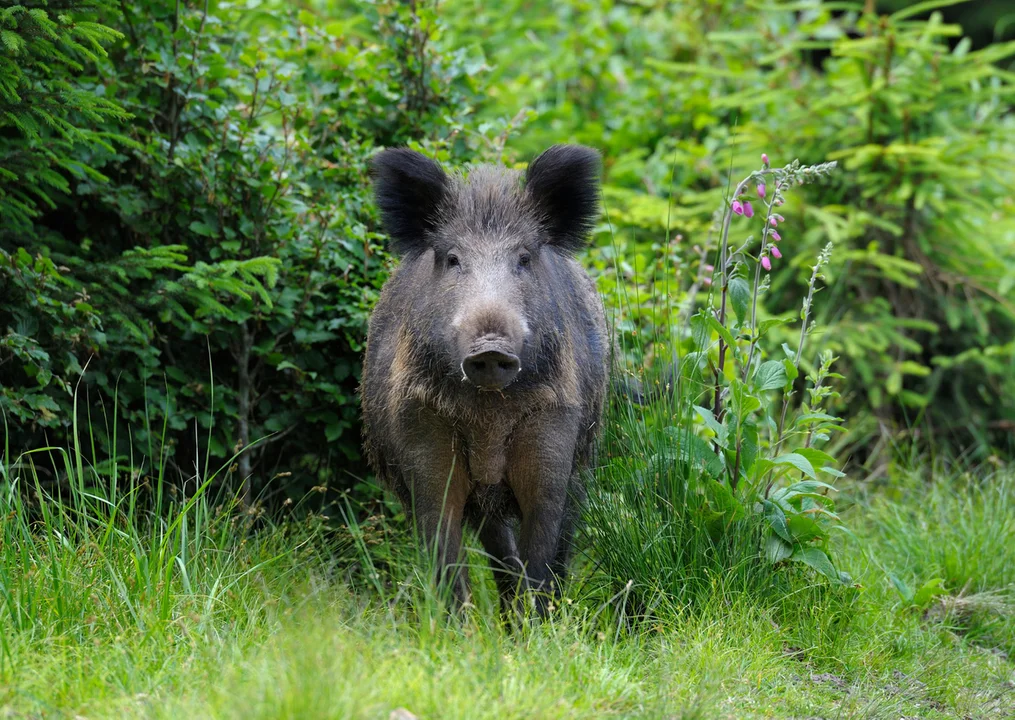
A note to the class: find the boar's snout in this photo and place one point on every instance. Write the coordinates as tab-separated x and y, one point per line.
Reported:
491	338
491	369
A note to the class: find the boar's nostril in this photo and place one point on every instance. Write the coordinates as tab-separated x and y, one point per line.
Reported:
491	370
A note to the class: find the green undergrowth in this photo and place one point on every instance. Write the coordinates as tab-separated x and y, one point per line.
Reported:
110	610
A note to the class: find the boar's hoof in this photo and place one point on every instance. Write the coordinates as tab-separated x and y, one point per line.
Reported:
491	370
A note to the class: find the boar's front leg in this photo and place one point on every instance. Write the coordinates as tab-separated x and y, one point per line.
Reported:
540	468
501	546
437	482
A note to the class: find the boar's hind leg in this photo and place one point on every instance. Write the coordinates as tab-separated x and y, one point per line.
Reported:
540	468
438	483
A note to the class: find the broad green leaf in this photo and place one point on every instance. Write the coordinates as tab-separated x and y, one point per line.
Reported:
927	592
804	528
815	457
777	549
771	375
712	424
700	332
740	297
742	401
777	520
813	417
765	325
202	228
724	333
748	446
722	498
809	486
791	372
798	461
816	559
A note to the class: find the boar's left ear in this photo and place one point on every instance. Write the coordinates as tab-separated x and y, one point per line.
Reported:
563	183
409	188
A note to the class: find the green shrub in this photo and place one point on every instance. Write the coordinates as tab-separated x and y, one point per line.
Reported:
232	230
47	109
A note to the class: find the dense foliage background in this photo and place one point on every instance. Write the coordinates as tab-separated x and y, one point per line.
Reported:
187	231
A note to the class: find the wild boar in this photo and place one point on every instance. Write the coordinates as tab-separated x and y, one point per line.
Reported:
487	358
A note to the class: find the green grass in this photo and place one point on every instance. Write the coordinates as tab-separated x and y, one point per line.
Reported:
108	609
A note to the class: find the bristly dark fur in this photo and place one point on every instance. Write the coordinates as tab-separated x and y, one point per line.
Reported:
563	182
410	189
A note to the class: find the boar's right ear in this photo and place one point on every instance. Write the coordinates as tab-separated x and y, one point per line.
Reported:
409	189
563	183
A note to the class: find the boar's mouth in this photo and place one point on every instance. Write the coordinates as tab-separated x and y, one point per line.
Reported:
491	364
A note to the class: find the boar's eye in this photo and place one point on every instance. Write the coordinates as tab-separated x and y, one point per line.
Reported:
453	261
524	260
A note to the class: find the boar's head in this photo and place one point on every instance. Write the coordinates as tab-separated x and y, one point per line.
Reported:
484	257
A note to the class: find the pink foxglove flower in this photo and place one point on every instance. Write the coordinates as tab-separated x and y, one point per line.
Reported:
738	207
707	281
764	158
775	252
775	235
761	189
748	210
773	221
766	263
710	268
